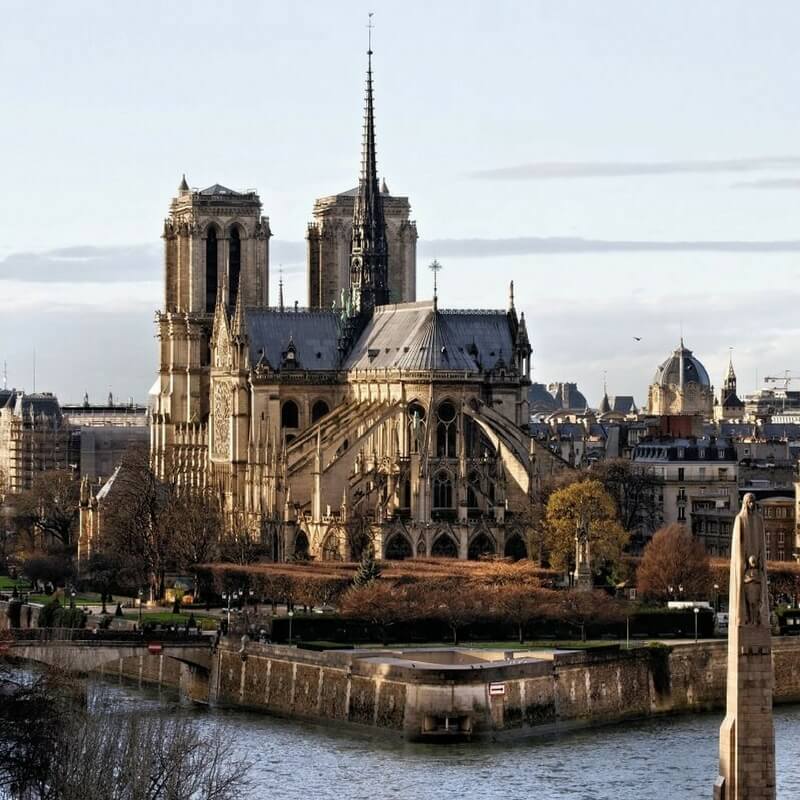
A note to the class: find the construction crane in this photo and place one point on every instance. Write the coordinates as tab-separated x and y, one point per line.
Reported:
787	378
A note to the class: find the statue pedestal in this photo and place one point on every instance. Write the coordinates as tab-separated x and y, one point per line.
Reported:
747	737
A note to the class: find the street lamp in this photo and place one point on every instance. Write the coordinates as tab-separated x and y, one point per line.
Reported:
228	596
671	591
72	595
290	614
696	616
141	596
716	597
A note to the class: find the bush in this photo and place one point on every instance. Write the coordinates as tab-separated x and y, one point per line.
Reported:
54	615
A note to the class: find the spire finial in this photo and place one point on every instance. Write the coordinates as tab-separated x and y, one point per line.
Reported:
184	187
511	296
280	287
370	26
434	267
369	269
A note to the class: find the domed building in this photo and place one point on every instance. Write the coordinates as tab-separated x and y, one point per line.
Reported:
681	386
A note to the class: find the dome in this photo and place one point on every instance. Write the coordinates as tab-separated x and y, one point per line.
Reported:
681	361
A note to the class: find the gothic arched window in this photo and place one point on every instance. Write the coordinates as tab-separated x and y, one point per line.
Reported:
398	548
301	546
235	262
319	410
481	545
446	430
444	547
290	415
442	490
211	268
515	547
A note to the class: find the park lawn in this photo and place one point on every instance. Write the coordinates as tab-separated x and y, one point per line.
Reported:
542	644
11	583
80	600
206	622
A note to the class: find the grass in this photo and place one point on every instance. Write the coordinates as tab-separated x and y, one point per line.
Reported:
545	644
11	583
206	622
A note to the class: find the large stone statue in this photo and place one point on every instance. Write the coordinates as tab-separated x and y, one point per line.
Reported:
747	736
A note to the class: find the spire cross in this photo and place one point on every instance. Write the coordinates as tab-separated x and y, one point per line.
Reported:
370	26
434	267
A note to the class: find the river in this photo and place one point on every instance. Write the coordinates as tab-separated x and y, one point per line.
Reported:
672	758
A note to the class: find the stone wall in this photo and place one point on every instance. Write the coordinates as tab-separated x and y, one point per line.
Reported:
571	690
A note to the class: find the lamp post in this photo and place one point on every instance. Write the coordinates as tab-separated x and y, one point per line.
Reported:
72	595
671	592
716	598
696	617
141	595
290	614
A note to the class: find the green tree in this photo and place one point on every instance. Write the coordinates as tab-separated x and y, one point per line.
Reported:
584	505
368	570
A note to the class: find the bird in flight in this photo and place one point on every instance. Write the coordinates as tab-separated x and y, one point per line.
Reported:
638	338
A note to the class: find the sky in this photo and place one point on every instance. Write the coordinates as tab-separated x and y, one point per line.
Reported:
634	168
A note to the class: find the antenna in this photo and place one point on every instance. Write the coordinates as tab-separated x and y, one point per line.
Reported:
370	26
34	370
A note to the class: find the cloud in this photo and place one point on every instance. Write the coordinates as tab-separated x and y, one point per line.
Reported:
121	264
768	183
549	170
531	245
597	335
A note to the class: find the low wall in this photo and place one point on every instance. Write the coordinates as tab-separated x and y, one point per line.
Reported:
406	694
28	615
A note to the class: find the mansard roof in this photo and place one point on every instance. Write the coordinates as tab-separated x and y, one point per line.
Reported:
417	336
314	334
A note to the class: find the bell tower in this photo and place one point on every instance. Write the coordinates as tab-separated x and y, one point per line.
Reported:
216	246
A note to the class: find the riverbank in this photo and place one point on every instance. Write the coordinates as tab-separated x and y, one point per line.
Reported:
463	693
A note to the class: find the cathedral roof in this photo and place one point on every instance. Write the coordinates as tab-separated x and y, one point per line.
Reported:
218	189
415	336
314	334
681	365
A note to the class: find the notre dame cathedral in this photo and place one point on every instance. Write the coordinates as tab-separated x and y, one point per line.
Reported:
366	407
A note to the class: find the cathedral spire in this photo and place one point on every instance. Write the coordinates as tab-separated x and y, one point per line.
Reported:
368	255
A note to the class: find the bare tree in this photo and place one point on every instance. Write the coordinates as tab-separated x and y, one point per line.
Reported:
141	521
146	757
50	507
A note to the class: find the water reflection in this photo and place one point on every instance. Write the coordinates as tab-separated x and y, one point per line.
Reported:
668	758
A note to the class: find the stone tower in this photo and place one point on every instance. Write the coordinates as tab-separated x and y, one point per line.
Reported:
329	240
216	247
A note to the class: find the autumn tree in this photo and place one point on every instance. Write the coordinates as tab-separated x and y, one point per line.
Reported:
451	601
50	508
674	558
584	505
578	609
520	604
382	603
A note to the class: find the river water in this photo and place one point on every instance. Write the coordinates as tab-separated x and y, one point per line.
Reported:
672	758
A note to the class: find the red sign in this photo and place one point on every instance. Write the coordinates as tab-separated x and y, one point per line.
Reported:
154	648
